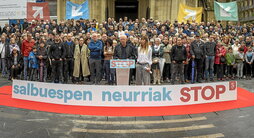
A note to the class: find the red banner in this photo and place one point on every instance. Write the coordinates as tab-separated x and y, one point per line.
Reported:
39	11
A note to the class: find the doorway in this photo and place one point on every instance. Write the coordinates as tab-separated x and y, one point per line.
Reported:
127	8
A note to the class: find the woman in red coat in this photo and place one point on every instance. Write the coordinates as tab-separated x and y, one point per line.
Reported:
220	60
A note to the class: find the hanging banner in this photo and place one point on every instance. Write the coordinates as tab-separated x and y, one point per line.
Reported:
39	11
76	11
226	11
124	96
189	13
13	9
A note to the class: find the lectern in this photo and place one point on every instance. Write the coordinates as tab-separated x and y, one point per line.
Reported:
122	67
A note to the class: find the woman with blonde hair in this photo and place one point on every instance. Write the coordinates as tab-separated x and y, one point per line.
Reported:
144	62
81	68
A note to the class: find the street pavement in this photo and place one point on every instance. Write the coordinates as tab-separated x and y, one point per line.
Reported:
22	123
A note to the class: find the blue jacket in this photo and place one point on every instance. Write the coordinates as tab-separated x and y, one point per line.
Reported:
95	49
187	32
32	60
91	29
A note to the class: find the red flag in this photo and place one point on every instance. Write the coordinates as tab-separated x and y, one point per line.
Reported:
39	11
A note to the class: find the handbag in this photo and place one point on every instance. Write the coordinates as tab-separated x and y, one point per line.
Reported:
156	60
222	59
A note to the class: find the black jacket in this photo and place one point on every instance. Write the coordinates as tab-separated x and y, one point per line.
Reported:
210	48
68	49
25	25
56	51
130	52
158	53
178	53
197	49
42	52
19	59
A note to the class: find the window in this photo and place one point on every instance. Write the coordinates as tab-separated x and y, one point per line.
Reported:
52	7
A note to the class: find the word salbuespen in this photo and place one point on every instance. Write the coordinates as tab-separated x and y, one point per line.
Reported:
31	90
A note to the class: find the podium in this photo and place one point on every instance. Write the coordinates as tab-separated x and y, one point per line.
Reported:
122	67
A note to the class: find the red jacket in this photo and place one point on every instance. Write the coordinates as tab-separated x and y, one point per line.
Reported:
27	47
219	50
245	49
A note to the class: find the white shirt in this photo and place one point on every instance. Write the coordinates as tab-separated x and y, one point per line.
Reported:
235	48
145	57
2	50
12	46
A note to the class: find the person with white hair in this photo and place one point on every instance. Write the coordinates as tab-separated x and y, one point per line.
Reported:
157	53
124	50
96	49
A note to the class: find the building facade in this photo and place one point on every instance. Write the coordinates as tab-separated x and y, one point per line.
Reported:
158	9
246	10
102	9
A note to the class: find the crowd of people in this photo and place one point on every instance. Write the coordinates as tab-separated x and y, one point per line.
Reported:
80	50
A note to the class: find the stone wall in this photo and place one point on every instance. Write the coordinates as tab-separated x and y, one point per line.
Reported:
159	9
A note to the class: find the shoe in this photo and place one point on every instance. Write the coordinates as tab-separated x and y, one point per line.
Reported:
199	81
167	80
182	82
187	81
172	83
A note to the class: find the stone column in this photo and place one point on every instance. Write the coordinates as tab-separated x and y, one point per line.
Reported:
142	8
174	11
164	9
111	8
153	9
61	10
97	9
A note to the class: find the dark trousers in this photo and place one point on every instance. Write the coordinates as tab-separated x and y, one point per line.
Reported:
32	74
199	66
110	73
95	70
49	70
248	69
15	72
42	71
57	67
187	71
229	70
252	69
167	71
178	68
68	69
220	71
